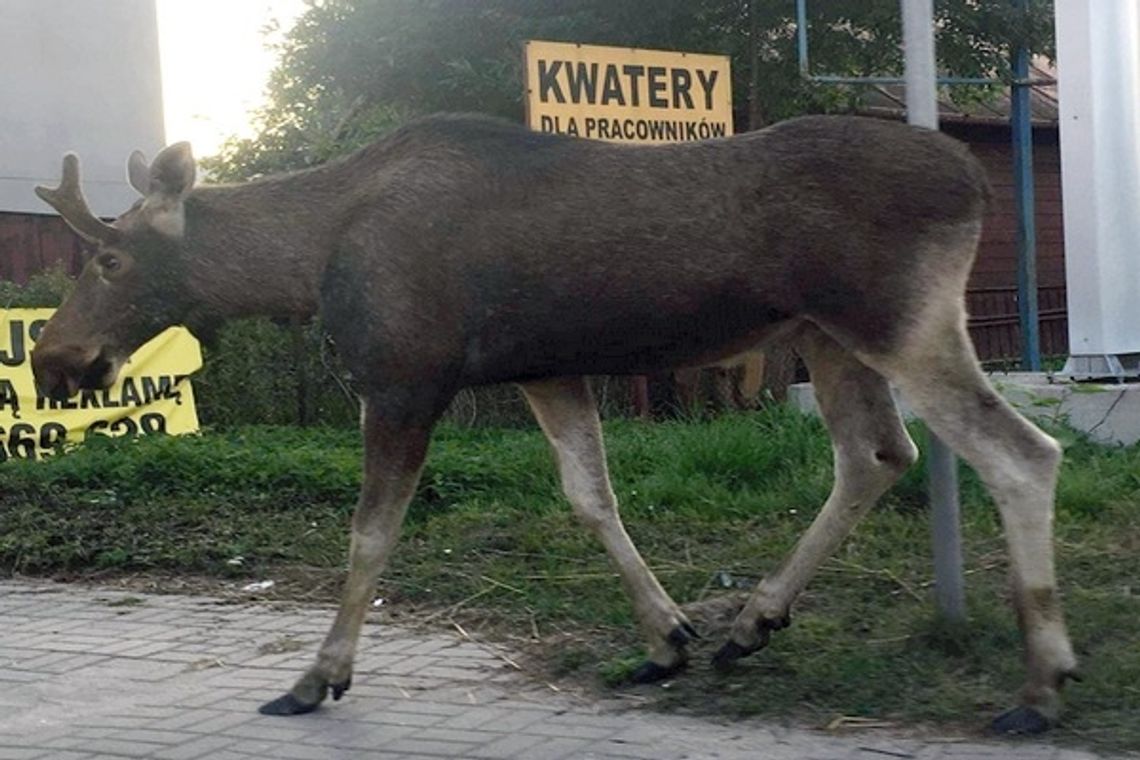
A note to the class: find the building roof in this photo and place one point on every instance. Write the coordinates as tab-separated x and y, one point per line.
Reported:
889	101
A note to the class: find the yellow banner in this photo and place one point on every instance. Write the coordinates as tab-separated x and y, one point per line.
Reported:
152	394
627	94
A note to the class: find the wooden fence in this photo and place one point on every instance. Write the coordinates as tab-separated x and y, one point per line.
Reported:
995	324
32	243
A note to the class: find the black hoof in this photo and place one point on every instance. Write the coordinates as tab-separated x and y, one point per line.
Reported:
1021	720
682	635
775	624
651	672
338	689
287	704
730	653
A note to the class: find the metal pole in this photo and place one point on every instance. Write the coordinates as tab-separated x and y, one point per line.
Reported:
945	530
942	470
918	63
1026	223
802	36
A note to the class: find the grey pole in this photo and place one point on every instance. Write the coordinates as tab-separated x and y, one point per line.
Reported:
1022	124
918	63
922	110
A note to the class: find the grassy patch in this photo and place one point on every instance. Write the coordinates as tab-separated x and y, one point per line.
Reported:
713	505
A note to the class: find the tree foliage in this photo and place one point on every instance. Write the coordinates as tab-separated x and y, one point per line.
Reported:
352	69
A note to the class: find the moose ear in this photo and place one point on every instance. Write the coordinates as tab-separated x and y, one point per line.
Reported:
138	172
172	173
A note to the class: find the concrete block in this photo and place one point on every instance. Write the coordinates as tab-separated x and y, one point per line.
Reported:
1108	413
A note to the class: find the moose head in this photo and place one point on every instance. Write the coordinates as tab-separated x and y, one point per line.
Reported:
128	291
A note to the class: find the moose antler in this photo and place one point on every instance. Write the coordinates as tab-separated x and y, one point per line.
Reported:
68	200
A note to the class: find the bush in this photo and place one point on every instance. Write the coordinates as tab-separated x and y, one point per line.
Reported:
262	372
43	290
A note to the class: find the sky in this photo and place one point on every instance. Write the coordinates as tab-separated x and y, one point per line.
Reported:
215	65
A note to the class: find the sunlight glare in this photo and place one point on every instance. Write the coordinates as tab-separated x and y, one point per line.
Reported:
216	65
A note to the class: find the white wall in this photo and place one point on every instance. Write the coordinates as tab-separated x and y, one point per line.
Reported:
1098	66
82	76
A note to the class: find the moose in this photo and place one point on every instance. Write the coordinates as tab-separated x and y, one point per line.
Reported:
461	251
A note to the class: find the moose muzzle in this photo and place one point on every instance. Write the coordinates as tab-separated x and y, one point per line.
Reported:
62	371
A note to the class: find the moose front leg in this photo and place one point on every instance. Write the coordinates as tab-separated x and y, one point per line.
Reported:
871	450
393	458
566	411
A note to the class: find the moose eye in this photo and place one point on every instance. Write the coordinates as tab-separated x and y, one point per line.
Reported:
109	262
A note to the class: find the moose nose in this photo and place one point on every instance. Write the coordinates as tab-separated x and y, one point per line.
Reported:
59	370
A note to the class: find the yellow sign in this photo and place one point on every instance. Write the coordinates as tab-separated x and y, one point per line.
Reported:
152	394
627	94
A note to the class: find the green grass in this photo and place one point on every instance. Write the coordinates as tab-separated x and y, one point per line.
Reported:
711	502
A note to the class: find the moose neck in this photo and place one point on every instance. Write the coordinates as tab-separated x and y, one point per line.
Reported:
258	248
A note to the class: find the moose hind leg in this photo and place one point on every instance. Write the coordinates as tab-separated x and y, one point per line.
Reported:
937	371
871	450
566	411
393	458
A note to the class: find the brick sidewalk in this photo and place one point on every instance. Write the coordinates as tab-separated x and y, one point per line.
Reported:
87	674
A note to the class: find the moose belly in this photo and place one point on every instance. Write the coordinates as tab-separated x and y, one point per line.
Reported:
632	338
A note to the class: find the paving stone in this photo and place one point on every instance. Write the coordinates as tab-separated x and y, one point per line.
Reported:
67	754
22	753
103	722
19	676
414	745
477	717
423	706
181	678
293	751
81	644
405	718
358	736
612	749
555	748
511	745
122	747
267	728
75	662
1070	754
154	736
221	723
197	747
207	697
456	735
226	754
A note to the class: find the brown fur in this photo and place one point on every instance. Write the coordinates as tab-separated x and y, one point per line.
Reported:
461	251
